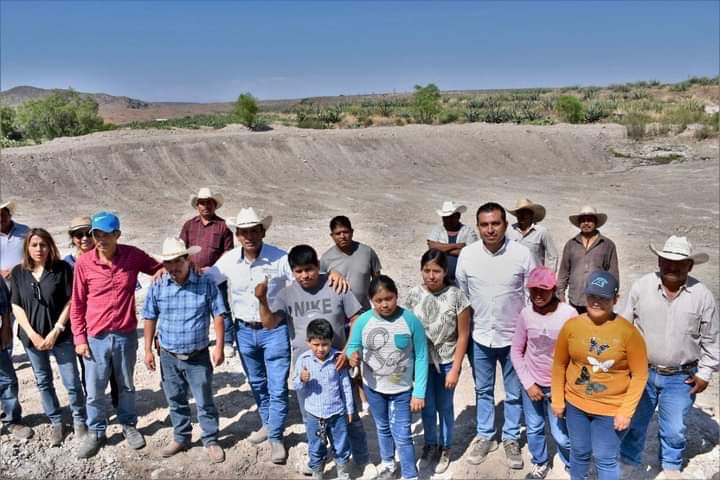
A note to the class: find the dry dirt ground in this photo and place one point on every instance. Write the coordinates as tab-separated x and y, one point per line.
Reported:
389	181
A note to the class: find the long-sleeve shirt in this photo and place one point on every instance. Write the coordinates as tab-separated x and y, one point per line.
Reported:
394	352
533	344
103	296
328	392
215	238
577	264
600	369
11	247
495	285
243	276
538	240
677	331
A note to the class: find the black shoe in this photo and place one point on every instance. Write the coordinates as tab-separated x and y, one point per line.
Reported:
90	445
134	438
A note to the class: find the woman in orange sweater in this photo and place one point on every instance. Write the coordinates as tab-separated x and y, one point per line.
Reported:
599	374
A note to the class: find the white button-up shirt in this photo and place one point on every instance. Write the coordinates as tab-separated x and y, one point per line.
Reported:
11	246
243	276
495	285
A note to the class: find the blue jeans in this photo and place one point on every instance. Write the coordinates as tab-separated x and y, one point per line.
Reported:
65	357
265	355
592	436
228	320
485	360
116	351
336	430
535	413
671	395
393	419
194	375
11	411
438	402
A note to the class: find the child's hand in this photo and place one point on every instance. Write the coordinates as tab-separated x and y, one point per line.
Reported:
535	393
304	375
417	404
621	422
341	361
451	378
349	418
558	412
355	359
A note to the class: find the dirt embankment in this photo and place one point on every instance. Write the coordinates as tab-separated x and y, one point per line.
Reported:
389	181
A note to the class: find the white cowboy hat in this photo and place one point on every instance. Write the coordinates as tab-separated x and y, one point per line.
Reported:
173	248
247	218
206	193
450	207
10	205
678	248
527	204
588	210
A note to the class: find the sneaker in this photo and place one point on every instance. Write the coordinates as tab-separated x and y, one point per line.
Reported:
80	430
386	471
671	475
135	439
20	431
443	461
277	452
56	435
513	454
215	452
343	471
318	475
229	350
90	445
259	436
428	456
538	471
479	450
173	448
304	468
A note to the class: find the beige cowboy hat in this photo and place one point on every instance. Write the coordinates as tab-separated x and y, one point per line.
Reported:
679	248
206	193
79	222
450	207
527	204
173	248
247	218
10	205
588	210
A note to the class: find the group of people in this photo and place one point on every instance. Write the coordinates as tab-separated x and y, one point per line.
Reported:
327	333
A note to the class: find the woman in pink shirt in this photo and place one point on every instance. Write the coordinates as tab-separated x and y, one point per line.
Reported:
532	356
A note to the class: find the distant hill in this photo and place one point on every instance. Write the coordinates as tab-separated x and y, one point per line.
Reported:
17	95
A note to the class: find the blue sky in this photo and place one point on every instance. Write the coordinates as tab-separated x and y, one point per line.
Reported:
212	51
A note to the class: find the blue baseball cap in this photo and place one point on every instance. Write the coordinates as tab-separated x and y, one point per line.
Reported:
601	284
105	221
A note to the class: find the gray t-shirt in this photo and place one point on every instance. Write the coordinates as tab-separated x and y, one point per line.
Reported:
357	268
300	307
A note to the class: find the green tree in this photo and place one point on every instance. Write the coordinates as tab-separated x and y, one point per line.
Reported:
426	101
246	109
60	114
570	109
7	121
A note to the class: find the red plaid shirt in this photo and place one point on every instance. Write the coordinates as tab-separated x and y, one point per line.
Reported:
103	296
215	238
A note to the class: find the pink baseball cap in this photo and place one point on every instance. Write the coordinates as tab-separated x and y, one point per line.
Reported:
542	277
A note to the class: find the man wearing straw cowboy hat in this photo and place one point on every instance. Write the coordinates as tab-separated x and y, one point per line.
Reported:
583	254
12	236
210	232
678	317
264	353
452	236
180	305
534	236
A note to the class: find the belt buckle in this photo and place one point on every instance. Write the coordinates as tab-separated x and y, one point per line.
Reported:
182	356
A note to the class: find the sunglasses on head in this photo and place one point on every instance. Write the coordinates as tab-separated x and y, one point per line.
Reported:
81	234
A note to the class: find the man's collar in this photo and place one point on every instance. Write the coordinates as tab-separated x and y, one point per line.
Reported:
500	250
516	226
687	286
191	278
213	219
599	236
96	256
259	255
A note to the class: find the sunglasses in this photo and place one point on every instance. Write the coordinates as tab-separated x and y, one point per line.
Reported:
81	234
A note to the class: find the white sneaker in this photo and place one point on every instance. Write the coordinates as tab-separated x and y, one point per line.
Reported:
259	436
386	471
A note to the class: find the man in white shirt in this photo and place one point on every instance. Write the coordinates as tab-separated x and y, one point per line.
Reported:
452	236
493	273
528	231
12	236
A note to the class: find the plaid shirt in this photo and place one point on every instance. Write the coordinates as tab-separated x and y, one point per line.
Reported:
215	238
328	391
183	311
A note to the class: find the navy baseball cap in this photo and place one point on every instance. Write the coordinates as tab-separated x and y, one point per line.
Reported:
104	221
601	284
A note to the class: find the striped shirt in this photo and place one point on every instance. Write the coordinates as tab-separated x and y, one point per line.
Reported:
183	311
328	391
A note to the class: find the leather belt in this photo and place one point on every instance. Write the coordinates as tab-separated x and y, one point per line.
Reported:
251	325
662	370
185	356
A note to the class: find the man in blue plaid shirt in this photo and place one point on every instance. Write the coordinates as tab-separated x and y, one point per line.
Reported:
179	307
